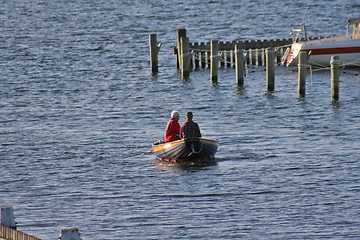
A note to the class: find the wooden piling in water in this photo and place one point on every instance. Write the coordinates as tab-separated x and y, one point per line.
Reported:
335	74
69	234
153	53
270	69
7	217
239	65
185	57
302	73
214	62
181	32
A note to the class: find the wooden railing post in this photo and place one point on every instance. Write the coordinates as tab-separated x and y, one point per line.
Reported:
253	56
214	62
203	57
228	58
196	56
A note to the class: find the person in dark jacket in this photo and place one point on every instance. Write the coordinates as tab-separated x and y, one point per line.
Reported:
189	129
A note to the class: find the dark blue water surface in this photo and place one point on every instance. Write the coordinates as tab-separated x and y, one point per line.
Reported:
79	110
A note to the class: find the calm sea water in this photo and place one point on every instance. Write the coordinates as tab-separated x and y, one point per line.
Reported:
79	110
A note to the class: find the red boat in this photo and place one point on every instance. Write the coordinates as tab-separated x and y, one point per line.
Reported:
186	150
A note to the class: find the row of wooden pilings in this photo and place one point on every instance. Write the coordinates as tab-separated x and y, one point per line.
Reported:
199	55
236	54
228	54
8	229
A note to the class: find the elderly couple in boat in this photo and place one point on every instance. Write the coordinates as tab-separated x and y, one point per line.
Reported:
188	129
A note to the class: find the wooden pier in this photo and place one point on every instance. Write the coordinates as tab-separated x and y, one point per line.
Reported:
254	51
8	229
238	54
215	54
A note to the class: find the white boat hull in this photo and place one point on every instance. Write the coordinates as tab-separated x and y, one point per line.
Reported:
320	51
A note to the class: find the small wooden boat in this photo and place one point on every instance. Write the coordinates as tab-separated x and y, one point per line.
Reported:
186	150
320	51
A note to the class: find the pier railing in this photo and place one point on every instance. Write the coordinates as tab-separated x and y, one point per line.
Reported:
254	51
12	234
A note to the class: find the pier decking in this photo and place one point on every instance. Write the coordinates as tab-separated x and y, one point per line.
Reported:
8	233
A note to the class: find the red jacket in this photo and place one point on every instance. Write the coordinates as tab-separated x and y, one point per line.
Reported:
172	129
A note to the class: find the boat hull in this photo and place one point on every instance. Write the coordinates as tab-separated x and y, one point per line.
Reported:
320	52
186	150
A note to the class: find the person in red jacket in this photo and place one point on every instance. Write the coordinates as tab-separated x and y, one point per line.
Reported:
172	130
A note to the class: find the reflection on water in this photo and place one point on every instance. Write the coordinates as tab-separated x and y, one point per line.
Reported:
186	166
